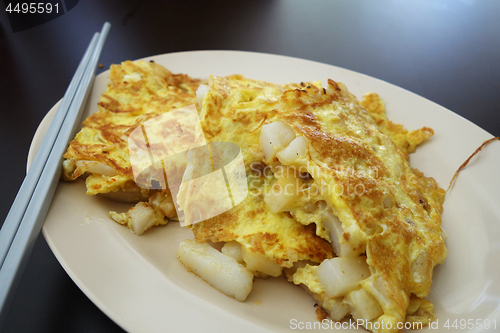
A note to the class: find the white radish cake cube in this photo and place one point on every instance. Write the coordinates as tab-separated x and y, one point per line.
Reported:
362	305
222	272
339	276
295	150
275	137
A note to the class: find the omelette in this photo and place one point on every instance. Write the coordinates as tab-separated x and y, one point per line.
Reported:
138	91
348	178
332	201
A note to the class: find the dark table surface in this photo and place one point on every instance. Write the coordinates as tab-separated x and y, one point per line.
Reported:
446	51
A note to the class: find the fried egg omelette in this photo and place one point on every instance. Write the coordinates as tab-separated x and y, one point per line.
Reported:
349	181
330	186
138	91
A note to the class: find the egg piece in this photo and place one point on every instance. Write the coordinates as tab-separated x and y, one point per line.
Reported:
283	194
138	91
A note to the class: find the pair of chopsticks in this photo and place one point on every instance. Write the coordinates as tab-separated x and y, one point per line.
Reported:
24	221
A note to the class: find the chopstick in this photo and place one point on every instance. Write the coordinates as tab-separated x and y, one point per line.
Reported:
26	216
23	197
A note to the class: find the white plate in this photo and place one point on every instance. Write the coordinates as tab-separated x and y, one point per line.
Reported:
138	282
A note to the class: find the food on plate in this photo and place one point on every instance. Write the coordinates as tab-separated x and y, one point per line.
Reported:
137	91
331	164
332	202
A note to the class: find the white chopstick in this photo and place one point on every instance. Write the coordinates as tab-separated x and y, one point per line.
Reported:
11	223
26	216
